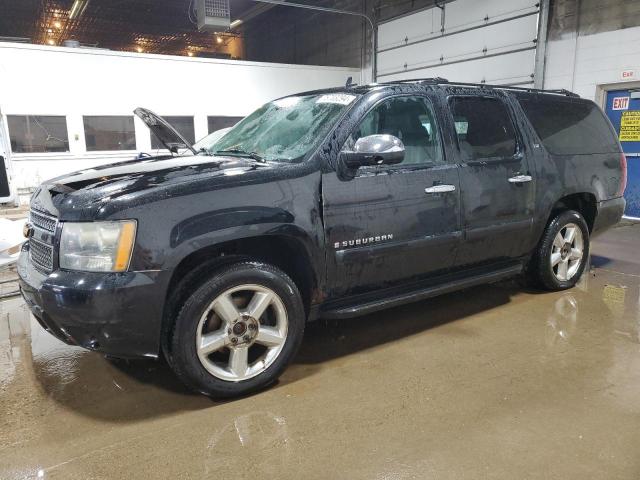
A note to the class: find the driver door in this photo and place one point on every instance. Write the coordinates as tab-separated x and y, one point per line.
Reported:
390	224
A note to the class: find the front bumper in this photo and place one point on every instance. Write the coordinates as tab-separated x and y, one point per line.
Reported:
116	313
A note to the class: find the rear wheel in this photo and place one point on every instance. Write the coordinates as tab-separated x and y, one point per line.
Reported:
238	331
562	254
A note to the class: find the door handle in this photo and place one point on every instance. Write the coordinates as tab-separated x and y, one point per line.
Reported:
520	179
440	189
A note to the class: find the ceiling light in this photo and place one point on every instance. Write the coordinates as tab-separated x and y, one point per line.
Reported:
235	23
139	49
78	8
219	39
57	25
51	42
50	30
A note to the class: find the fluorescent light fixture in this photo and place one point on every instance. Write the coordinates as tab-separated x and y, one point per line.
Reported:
234	24
78	8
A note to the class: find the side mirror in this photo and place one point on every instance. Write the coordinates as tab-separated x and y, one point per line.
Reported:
374	150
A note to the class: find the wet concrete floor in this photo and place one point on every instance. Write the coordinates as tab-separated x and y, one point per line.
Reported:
491	382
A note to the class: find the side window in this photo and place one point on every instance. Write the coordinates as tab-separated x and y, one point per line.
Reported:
412	120
484	128
568	126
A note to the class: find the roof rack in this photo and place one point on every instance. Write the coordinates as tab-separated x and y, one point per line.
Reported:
440	81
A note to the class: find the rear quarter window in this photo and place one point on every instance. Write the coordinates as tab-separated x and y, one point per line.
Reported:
570	127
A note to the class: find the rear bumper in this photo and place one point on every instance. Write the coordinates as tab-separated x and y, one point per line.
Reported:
116	313
609	213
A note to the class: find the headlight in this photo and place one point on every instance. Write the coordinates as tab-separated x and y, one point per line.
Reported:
97	246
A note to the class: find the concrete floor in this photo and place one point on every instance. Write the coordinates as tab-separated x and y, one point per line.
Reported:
492	382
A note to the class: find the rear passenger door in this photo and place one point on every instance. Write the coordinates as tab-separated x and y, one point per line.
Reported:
496	180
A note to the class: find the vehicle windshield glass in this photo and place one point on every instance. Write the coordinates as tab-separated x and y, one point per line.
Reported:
208	141
287	129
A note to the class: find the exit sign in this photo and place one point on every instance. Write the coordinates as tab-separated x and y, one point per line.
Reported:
620	103
628	75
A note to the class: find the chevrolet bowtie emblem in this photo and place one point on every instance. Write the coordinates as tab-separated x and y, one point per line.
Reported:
27	230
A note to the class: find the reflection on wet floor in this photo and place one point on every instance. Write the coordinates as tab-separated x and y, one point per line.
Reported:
494	382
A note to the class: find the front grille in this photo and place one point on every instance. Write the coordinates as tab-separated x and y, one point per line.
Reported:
43	221
41	255
41	248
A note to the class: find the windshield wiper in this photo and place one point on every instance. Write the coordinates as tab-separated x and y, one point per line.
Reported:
203	151
242	153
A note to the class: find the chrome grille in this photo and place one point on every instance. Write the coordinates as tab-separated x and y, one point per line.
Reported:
41	255
43	221
41	248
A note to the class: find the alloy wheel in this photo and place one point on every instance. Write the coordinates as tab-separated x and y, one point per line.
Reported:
242	332
567	252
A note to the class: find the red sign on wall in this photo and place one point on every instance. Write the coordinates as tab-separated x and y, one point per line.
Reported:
620	103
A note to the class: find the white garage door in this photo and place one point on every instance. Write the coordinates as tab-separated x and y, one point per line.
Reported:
492	41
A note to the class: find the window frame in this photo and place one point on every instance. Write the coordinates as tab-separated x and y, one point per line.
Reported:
92	152
39	154
519	150
373	169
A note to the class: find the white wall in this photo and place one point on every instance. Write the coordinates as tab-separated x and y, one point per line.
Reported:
41	80
488	40
592	60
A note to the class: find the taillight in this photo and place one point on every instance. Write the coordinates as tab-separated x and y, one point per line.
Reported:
623	174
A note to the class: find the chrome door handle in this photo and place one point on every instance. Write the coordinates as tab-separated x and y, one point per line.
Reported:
520	179
440	189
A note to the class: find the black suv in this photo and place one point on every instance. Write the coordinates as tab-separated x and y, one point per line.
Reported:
331	203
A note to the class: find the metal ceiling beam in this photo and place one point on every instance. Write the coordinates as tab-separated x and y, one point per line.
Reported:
337	11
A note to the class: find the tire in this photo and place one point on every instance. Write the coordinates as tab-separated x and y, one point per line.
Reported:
556	264
238	331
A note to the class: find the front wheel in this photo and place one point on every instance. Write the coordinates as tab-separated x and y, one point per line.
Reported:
238	331
562	254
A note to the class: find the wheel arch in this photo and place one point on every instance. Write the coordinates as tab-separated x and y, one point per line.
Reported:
291	251
584	203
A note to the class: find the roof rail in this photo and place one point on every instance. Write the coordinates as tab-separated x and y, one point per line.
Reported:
440	81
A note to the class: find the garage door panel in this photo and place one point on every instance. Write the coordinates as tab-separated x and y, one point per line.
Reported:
460	15
413	27
472	12
490	40
505	69
498	38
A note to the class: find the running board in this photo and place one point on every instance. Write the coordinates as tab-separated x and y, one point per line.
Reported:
417	295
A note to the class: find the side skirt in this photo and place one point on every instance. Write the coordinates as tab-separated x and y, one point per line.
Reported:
395	298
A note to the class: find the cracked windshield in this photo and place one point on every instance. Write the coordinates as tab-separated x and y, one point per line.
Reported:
284	130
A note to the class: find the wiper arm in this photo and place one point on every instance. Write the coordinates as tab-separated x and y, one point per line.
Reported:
203	151
233	151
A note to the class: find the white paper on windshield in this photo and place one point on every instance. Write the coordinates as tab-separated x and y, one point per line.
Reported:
337	98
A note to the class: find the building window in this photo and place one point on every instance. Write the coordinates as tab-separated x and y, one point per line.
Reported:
218	123
184	126
38	133
109	133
